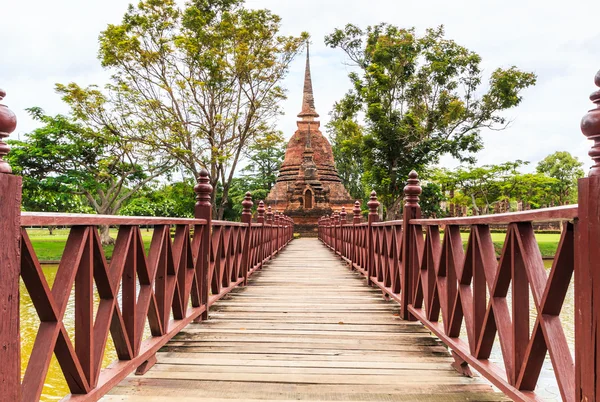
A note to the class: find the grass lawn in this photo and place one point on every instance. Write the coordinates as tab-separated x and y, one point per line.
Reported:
547	242
50	247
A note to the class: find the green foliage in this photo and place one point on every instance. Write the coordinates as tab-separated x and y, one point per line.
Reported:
431	201
265	157
347	142
196	84
420	99
64	159
482	185
566	169
486	189
169	200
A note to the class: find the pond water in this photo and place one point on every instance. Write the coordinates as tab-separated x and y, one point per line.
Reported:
55	386
547	387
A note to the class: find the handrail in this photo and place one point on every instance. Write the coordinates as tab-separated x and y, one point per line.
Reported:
171	285
63	219
446	286
388	223
554	214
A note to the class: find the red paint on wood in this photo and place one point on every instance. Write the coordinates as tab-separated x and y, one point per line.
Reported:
10	261
470	288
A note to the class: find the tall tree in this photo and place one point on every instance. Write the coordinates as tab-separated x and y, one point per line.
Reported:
347	143
264	158
566	169
534	190
195	83
71	159
422	97
47	194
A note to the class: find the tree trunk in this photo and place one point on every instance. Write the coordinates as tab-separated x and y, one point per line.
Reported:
475	208
393	211
51	230
105	236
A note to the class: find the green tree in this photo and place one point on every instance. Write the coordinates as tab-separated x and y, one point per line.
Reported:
197	83
535	190
422	97
71	159
431	201
264	157
566	169
483	185
45	194
347	139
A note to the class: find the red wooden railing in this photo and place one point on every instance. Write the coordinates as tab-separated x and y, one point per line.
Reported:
447	286
168	287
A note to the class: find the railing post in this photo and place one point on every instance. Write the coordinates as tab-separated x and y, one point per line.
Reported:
270	231
10	266
343	221
336	222
373	217
290	229
247	219
260	219
327	231
203	210
277	230
409	265
356	219
587	266
319	227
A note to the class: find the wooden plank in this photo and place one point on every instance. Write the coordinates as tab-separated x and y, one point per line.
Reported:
314	392
375	379
306	328
10	267
150	398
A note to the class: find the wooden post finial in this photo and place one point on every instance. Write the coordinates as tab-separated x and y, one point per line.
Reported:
260	212
356	212
203	189
8	124
269	215
412	190
590	127
373	204
336	217
247	205
343	215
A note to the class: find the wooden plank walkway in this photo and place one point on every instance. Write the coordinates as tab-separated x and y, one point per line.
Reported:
306	328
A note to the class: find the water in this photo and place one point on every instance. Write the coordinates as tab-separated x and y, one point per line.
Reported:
547	387
55	386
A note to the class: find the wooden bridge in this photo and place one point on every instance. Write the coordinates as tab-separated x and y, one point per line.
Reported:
306	328
370	311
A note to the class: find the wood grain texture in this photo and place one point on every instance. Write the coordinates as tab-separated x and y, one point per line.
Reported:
10	260
557	214
306	328
62	219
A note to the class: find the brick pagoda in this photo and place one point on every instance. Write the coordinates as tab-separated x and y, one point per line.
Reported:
308	185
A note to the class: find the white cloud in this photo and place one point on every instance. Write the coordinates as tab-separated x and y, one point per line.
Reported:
50	42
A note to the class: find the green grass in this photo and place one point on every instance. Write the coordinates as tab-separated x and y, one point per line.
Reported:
50	247
547	242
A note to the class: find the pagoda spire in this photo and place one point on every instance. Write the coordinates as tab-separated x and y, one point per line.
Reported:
308	101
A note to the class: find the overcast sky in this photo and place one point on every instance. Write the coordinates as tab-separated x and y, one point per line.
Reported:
46	42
